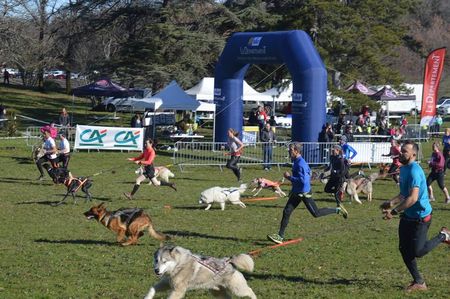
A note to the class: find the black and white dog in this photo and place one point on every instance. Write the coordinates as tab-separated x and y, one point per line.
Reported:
63	176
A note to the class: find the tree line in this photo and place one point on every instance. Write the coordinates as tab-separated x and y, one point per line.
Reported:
149	43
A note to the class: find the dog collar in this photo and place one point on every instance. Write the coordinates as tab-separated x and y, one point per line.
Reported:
108	218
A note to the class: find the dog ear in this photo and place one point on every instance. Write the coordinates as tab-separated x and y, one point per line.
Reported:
101	205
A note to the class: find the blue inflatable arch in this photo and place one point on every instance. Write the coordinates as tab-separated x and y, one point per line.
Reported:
309	78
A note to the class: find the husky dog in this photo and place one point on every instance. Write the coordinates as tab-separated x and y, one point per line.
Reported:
128	223
221	195
161	173
180	271
262	183
364	185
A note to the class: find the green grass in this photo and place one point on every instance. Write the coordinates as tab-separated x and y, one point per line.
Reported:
54	252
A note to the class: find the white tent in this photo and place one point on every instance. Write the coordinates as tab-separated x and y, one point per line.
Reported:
280	94
204	91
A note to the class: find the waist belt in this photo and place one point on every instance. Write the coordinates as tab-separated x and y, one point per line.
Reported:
305	194
419	220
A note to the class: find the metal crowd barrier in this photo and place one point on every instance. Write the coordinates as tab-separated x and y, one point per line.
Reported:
315	153
33	135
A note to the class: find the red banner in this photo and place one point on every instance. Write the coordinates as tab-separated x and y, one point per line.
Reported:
431	78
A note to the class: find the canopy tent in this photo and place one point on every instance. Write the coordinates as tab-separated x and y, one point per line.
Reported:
280	94
147	104
175	98
388	94
102	88
204	91
357	86
206	107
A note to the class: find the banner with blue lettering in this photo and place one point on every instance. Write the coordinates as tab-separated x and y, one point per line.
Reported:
109	138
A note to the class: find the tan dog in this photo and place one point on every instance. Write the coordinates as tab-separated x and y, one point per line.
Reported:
358	185
162	173
181	270
262	183
129	224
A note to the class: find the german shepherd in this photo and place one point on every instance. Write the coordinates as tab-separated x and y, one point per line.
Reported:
62	175
128	223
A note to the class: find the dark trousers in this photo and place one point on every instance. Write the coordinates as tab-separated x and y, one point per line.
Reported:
232	164
413	243
44	159
292	204
267	155
64	159
334	185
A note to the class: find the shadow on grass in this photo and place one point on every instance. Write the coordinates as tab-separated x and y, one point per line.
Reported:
333	281
200	235
77	242
68	201
23	160
44	202
19	181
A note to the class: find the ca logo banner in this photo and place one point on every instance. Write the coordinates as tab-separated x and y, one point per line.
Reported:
127	139
92	137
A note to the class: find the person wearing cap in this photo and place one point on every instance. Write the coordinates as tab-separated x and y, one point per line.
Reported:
301	192
348	152
64	150
338	174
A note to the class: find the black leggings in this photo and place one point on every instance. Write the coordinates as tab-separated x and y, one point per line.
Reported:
413	244
44	159
436	176
292	204
232	164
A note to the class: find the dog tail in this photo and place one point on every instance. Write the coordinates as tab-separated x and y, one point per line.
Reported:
157	235
243	262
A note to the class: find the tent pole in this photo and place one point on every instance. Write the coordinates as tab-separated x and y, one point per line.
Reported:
214	127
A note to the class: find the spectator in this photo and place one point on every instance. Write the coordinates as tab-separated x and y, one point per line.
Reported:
136	121
272	121
348	132
394	153
5	77
252	118
327	134
403	122
262	117
338	174
438	124
64	118
268	137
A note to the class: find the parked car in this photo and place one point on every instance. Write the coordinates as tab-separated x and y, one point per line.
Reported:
124	104
443	106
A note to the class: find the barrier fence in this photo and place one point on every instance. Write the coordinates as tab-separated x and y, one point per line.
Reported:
315	153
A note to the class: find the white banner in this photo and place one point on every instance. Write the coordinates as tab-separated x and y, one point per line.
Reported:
109	138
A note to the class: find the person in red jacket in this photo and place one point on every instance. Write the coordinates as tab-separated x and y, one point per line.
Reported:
146	160
436	164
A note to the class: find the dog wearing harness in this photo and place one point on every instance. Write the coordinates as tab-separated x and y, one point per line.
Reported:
181	270
222	195
128	223
73	184
262	183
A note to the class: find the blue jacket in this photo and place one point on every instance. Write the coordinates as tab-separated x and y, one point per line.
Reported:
301	176
349	152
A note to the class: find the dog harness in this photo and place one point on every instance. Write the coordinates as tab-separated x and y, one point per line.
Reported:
74	184
215	265
265	183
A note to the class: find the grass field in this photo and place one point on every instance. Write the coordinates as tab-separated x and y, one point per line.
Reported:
54	252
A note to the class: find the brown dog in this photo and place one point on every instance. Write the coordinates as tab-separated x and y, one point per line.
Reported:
126	223
262	183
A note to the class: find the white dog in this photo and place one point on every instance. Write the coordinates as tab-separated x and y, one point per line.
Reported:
161	173
221	195
181	270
